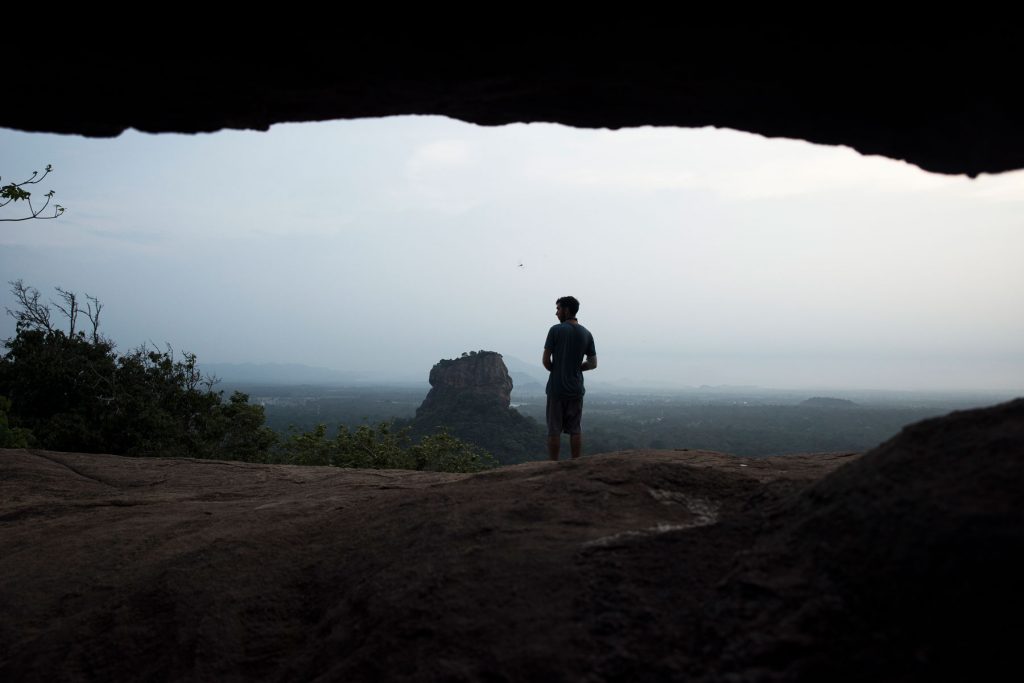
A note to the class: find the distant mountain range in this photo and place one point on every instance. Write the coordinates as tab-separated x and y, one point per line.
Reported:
828	402
282	373
529	380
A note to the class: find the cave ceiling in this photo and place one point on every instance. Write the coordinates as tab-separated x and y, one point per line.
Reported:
948	101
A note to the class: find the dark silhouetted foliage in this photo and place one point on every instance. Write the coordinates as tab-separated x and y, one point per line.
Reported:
71	391
12	437
382	447
74	392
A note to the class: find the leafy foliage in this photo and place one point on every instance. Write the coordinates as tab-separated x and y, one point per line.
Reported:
12	437
16	192
382	447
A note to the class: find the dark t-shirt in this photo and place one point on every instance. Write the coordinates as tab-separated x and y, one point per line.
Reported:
568	344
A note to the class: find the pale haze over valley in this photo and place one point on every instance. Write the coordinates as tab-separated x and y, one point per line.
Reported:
700	256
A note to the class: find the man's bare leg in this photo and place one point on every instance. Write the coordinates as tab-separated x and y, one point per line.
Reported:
576	445
554	442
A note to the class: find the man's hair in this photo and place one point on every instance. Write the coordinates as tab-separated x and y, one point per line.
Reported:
570	303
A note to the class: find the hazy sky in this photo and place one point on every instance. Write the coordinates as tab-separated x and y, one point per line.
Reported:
700	256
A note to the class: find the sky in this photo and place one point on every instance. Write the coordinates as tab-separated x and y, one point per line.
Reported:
700	256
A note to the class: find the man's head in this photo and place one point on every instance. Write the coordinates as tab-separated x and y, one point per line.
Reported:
566	308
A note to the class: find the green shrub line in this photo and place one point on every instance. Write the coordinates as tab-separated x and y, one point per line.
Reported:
66	390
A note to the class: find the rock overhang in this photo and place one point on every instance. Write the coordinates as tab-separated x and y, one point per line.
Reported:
943	99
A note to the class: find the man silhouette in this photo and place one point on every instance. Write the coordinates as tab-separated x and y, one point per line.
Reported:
567	343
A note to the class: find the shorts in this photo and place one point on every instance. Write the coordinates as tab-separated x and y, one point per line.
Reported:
564	415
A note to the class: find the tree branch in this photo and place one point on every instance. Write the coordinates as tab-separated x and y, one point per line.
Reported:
71	312
32	314
13	192
93	316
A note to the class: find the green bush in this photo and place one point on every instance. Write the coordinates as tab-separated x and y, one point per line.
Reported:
381	447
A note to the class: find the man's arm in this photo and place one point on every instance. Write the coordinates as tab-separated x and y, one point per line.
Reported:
546	359
589	364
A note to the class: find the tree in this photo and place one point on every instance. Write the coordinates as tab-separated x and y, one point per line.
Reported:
33	314
62	388
12	438
16	192
242	432
73	391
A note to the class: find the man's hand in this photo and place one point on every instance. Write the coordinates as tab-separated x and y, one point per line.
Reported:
589	364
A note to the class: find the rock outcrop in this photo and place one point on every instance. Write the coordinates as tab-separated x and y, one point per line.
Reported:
478	376
470	397
904	565
900	565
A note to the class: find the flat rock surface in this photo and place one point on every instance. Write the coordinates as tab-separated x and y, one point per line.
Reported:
684	565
